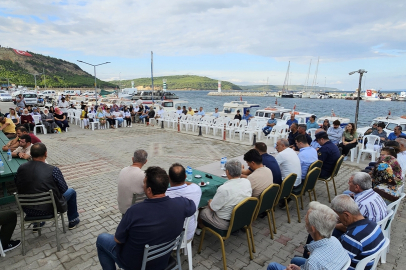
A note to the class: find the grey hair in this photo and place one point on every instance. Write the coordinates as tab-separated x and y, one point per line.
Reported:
323	218
362	179
344	203
284	142
140	156
401	141
233	167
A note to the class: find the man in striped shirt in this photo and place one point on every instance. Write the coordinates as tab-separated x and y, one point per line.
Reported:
363	237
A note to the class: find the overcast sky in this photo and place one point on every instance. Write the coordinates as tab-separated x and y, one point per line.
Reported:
245	42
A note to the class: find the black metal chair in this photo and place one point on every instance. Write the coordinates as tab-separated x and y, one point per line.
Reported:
267	201
242	216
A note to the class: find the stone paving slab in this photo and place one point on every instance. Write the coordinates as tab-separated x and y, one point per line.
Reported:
91	161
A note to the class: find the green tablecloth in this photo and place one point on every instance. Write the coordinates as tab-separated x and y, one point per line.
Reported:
209	190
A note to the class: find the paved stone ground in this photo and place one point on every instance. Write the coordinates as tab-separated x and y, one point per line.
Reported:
91	161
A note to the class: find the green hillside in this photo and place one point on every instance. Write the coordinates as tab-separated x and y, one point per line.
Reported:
58	73
179	82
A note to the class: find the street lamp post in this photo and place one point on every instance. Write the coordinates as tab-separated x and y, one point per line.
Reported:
361	73
35	78
94	66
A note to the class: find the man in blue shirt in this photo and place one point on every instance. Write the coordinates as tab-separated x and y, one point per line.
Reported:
201	112
312	123
291	120
269	125
156	220
307	154
216	113
247	116
328	153
335	133
397	132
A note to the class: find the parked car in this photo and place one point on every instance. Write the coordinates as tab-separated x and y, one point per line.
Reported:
5	97
30	99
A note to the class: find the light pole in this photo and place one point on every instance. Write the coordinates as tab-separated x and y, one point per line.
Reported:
95	85
361	73
35	78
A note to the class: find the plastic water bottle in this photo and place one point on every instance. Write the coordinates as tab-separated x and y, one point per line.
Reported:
225	161
189	173
222	163
1	166
9	157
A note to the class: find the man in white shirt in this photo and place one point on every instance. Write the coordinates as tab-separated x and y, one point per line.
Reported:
131	180
63	105
289	163
232	192
180	188
402	154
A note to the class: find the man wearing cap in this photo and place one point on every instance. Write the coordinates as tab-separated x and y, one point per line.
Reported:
269	125
63	105
216	113
312	122
328	153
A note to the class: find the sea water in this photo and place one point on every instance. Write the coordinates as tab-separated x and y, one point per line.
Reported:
368	110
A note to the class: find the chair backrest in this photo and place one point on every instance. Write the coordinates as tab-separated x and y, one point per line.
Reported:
316	164
312	132
362	263
268	198
395	205
384	222
90	115
337	166
35	199
37	119
371	141
137	198
154	252
243	214
186	226
287	186
311	179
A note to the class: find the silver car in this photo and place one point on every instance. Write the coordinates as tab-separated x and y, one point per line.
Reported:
5	97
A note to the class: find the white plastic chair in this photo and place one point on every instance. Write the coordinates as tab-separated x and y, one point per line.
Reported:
312	132
240	128
187	246
277	132
347	265
2	254
38	124
95	122
76	117
368	147
206	122
376	256
232	125
70	115
250	129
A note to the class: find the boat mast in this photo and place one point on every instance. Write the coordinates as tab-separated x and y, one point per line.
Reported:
286	82
152	71
307	79
315	75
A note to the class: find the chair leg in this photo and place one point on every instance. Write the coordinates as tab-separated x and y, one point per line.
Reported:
247	232
252	240
328	191
189	255
334	184
58	245
63	223
314	193
310	196
273	221
269	223
301	201
201	240
297	208
287	209
23	236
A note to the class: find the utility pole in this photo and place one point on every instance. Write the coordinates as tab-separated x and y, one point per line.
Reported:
361	73
35	78
43	72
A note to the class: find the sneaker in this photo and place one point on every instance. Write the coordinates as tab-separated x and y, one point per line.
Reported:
36	226
12	245
198	231
345	158
73	224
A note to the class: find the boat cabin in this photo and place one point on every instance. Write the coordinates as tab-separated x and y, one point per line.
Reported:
231	108
266	113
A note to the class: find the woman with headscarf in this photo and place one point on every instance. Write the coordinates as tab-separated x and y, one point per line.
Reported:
387	177
60	119
27	121
48	121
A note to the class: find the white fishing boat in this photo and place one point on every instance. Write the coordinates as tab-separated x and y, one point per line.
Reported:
301	117
390	123
331	118
266	112
231	108
402	96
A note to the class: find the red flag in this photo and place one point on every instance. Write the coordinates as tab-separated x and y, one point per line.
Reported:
22	53
389	112
240	98
294	107
276	101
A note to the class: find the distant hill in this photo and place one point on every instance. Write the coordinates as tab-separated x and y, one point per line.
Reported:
58	73
291	88
178	82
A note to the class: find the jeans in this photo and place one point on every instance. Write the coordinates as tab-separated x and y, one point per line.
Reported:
62	124
299	261
106	250
267	130
70	197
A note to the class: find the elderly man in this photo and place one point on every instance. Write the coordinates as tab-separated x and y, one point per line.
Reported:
307	154
190	111
292	135
261	177
8	127
131	180
312	122
216	113
218	210
326	252
402	154
24	150
247	116
291	120
289	163
269	125
157	220
268	161
180	188
201	112
328	153
36	176
335	133
363	236
397	132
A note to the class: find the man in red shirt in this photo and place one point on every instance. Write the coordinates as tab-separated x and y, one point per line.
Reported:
20	131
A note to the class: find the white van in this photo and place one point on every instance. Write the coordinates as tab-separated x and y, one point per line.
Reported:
30	98
47	93
71	92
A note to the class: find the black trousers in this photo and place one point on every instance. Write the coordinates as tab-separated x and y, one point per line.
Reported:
112	122
347	148
8	221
